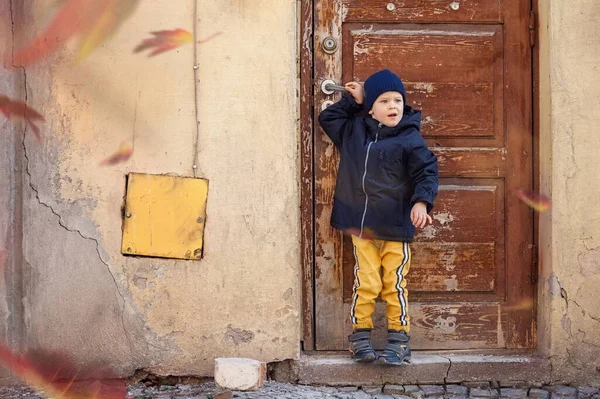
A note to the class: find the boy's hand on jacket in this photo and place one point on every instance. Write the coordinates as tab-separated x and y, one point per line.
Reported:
356	90
419	216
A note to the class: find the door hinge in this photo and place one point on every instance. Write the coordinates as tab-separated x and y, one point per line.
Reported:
534	264
532	28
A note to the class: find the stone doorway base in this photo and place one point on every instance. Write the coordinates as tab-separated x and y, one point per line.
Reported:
427	367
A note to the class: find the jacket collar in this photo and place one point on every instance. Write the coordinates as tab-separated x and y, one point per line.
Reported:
410	120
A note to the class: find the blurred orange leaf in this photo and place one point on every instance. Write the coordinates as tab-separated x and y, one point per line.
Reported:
165	40
206	39
367	233
537	201
525	304
124	152
55	376
18	109
92	21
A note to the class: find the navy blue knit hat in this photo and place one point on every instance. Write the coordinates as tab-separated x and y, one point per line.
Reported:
379	83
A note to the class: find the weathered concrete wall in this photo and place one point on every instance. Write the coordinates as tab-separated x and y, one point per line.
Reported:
570	231
11	84
170	317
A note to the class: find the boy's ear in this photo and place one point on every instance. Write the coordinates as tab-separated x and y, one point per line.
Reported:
371	112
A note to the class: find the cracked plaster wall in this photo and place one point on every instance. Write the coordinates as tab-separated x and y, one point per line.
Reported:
569	306
10	205
169	317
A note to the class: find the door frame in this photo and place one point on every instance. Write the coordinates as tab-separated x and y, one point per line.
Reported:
307	209
307	213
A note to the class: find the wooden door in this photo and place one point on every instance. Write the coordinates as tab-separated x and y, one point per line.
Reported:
467	65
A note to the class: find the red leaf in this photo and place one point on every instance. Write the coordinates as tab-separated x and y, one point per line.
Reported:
367	233
165	40
18	109
65	24
209	38
124	152
525	304
91	21
56	376
537	201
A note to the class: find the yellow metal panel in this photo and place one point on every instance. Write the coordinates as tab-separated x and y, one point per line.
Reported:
164	216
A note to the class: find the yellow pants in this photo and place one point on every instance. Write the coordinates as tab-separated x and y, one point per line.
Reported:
380	268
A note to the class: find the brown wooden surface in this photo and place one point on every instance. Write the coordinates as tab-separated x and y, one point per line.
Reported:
424	11
306	178
520	330
452	73
470	162
536	266
330	315
470	281
449	326
458	79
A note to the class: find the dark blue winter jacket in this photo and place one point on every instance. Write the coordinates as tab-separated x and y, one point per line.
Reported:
383	171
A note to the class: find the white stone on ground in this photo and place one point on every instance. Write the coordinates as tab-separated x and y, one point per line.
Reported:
240	374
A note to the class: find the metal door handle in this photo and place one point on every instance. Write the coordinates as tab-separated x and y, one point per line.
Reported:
328	87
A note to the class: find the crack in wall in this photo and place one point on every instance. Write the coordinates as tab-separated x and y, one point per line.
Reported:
550	360
596	319
447	371
12	29
568	361
564	295
60	222
563	292
37	196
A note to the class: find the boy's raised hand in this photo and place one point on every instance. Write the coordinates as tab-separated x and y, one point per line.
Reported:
356	90
419	216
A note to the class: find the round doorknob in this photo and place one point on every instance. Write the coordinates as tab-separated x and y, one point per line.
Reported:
326	104
329	45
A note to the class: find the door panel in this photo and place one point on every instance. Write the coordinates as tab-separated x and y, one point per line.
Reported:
423	10
468	68
453	73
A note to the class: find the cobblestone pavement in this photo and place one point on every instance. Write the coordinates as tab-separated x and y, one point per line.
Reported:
475	390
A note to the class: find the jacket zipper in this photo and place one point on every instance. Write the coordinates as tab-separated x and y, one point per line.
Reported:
362	222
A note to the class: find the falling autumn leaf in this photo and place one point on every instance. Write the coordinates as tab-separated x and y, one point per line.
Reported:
124	152
537	201
91	21
18	109
165	40
525	304
56	377
367	233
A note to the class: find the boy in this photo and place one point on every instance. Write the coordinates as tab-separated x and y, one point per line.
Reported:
386	175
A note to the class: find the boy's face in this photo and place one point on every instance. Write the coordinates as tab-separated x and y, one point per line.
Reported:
388	108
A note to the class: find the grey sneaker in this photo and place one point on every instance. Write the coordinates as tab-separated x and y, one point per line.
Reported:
360	346
397	350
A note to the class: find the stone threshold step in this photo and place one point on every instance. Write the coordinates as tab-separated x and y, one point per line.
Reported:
426	367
